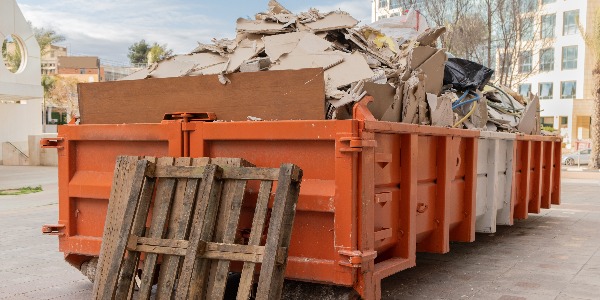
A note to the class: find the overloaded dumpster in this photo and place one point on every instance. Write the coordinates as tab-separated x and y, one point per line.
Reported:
380	183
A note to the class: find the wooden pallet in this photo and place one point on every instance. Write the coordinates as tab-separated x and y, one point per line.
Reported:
195	207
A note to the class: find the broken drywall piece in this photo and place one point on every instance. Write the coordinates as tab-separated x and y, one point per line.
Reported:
433	67
223	79
332	21
182	65
354	94
414	95
383	98
352	69
527	125
239	56
255	65
141	74
429	36
441	109
260	26
480	116
278	45
300	60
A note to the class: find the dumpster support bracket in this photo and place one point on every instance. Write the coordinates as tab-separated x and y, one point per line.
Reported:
357	258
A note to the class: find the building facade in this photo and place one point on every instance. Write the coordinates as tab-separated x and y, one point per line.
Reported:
563	78
382	9
50	58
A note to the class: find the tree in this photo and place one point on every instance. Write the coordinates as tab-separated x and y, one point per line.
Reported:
138	52
11	53
63	93
592	40
46	37
158	53
143	53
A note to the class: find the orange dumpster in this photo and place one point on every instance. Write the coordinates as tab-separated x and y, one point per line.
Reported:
373	193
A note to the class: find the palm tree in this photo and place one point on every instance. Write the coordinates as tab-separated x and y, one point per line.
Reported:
592	40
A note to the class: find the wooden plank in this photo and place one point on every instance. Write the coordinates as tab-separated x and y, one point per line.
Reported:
272	274
258	224
193	272
126	189
232	203
128	270
257	94
165	192
179	225
228	173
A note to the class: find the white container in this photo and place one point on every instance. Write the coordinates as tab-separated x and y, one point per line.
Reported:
495	164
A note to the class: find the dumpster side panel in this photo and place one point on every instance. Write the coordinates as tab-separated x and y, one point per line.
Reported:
87	158
325	224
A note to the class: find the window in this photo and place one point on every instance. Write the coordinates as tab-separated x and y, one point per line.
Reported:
545	90
547	59
527	29
524	89
528	5
548	1
548	24
570	22
525	62
81	71
568	89
383	3
569	58
394	4
564	122
547	122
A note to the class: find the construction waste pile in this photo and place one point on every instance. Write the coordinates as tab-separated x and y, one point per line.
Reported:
395	60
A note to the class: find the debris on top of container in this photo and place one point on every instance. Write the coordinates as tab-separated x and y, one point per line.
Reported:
395	60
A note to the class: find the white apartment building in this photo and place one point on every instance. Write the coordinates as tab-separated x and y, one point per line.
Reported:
563	67
381	9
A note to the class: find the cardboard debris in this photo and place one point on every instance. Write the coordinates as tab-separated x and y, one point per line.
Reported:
255	65
396	60
430	35
352	69
332	21
441	109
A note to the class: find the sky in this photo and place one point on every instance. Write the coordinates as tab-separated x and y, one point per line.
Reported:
107	28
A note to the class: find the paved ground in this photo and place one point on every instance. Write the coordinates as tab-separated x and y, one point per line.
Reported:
554	255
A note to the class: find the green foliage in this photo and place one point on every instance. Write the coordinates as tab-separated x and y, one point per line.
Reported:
548	128
46	37
11	58
142	52
21	191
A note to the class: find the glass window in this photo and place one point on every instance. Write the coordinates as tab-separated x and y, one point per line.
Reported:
570	22
548	1
548	24
524	89
505	63
569	58
564	121
525	62
547	122
547	59
383	3
528	5
394	4
545	90
527	29
568	89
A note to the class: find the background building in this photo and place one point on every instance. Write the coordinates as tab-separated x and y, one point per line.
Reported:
381	9
83	68
20	87
50	58
563	79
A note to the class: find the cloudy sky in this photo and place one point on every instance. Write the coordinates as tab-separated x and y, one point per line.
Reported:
107	28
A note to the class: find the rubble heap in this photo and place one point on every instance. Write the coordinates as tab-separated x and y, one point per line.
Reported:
395	60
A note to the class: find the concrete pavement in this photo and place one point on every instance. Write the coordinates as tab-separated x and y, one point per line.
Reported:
554	255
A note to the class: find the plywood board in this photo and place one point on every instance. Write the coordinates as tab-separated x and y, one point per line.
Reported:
270	95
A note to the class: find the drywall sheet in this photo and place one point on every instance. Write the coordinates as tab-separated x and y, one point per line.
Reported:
270	95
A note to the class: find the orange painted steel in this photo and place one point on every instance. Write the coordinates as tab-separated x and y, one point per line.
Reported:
86	158
536	179
373	193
